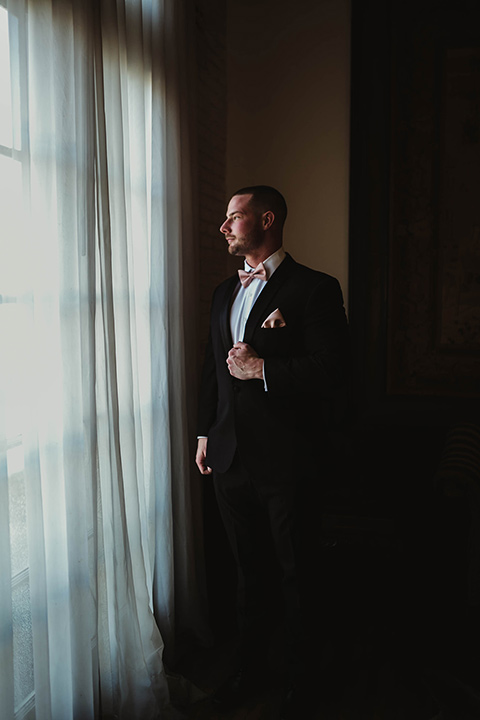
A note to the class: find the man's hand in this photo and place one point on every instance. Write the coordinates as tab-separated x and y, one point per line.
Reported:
244	363
201	455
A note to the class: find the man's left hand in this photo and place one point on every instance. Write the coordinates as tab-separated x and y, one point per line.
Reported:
244	363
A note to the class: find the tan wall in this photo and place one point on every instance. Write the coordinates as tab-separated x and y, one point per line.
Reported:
210	131
288	105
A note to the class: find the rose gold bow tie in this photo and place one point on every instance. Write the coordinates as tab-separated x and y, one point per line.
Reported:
247	277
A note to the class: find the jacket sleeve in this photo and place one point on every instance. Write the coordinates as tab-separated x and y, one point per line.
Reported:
208	395
320	362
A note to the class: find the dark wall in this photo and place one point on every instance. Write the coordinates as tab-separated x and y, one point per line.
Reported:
415	218
415	300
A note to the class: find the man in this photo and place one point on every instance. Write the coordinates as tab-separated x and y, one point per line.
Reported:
275	361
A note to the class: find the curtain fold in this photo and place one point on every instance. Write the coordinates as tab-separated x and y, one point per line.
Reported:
101	392
174	304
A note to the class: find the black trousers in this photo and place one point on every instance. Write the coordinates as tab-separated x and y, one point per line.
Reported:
246	500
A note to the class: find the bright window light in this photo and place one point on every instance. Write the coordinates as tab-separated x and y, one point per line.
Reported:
6	129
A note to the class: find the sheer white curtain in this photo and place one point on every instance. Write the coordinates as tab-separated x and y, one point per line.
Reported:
95	503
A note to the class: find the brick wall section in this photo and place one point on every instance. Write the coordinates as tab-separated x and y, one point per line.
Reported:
211	137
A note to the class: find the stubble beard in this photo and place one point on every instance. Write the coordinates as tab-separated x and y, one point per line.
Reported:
234	249
245	244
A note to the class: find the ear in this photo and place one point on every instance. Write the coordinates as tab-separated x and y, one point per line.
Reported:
267	219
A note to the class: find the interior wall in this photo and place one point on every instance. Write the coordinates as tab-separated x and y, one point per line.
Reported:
288	107
209	122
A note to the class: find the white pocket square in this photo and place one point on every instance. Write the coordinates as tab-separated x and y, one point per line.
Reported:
274	320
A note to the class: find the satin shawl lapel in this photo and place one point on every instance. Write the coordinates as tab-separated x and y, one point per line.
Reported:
224	317
267	295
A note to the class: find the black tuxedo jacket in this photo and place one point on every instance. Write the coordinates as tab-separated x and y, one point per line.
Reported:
305	369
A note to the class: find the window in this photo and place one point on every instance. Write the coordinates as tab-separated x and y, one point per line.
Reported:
92	206
13	329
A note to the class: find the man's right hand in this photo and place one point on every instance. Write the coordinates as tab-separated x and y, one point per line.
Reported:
200	457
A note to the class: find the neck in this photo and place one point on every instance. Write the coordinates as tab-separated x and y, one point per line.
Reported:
262	254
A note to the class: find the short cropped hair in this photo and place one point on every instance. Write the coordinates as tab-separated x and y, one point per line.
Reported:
266	198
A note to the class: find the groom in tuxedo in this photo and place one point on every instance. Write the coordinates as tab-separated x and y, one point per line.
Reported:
275	363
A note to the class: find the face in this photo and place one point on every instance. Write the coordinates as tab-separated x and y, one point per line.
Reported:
243	227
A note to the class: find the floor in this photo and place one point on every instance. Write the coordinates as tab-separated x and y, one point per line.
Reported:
390	634
371	681
386	652
370	688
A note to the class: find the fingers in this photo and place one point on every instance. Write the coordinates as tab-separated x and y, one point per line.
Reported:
233	364
242	362
244	350
232	360
200	457
238	349
238	355
202	466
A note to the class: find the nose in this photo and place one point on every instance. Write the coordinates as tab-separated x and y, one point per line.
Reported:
224	227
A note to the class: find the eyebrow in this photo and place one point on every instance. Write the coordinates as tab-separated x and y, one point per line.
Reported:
235	212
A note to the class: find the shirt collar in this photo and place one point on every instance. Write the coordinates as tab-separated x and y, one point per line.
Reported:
271	263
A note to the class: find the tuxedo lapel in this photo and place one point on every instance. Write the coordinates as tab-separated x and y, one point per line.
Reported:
267	295
224	316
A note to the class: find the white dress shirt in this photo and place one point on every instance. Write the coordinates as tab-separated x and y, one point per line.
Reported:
245	298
